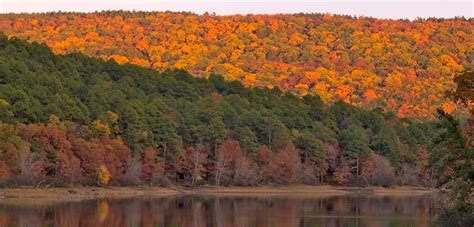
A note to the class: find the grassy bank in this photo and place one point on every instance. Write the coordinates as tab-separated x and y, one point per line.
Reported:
37	195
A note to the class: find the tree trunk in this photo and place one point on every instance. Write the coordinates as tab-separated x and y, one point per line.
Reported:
216	157
164	156
196	165
216	177
357	168
320	176
269	139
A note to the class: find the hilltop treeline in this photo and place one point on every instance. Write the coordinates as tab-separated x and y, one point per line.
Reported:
399	65
78	120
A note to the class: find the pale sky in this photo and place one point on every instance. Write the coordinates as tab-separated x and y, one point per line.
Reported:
375	8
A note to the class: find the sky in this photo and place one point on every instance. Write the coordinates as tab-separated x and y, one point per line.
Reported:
393	9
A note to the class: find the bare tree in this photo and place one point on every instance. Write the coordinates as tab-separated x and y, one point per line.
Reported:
133	172
383	173
408	175
226	157
29	164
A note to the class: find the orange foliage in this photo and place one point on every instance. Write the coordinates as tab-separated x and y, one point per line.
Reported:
370	95
403	62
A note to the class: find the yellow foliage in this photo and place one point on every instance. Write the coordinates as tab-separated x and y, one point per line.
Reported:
112	117
142	44
4	102
448	60
250	79
394	80
34	22
357	73
103	176
343	91
119	58
302	86
312	75
269	50
191	38
55	121
297	39
91	36
140	62
322	90
100	128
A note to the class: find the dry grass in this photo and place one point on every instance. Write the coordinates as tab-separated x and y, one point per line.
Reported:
56	195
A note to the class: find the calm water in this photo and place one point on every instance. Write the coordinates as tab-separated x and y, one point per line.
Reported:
227	211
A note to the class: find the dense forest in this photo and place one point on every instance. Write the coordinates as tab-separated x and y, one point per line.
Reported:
73	119
399	65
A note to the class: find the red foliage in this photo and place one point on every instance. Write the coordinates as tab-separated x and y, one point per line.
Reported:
307	174
4	170
342	174
151	167
245	172
193	164
407	62
285	165
226	158
264	162
69	166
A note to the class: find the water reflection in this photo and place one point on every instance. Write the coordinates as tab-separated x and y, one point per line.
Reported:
227	211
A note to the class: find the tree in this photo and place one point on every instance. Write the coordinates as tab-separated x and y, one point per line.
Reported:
103	176
69	168
133	172
164	135
98	112
193	163
4	171
245	172
285	165
100	129
453	155
311	150
464	91
217	133
381	173
310	147
264	162
247	140
408	175
452	159
341	174
316	106
151	168
5	113
258	53
387	144
355	145
225	160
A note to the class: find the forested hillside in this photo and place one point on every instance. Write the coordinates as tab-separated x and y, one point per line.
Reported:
399	65
74	119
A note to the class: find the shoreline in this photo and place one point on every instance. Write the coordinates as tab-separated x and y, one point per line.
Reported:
77	194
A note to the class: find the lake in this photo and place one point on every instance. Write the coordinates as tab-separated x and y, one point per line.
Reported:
228	211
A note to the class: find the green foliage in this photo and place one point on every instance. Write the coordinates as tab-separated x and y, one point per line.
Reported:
453	155
310	147
167	111
386	143
452	159
354	141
